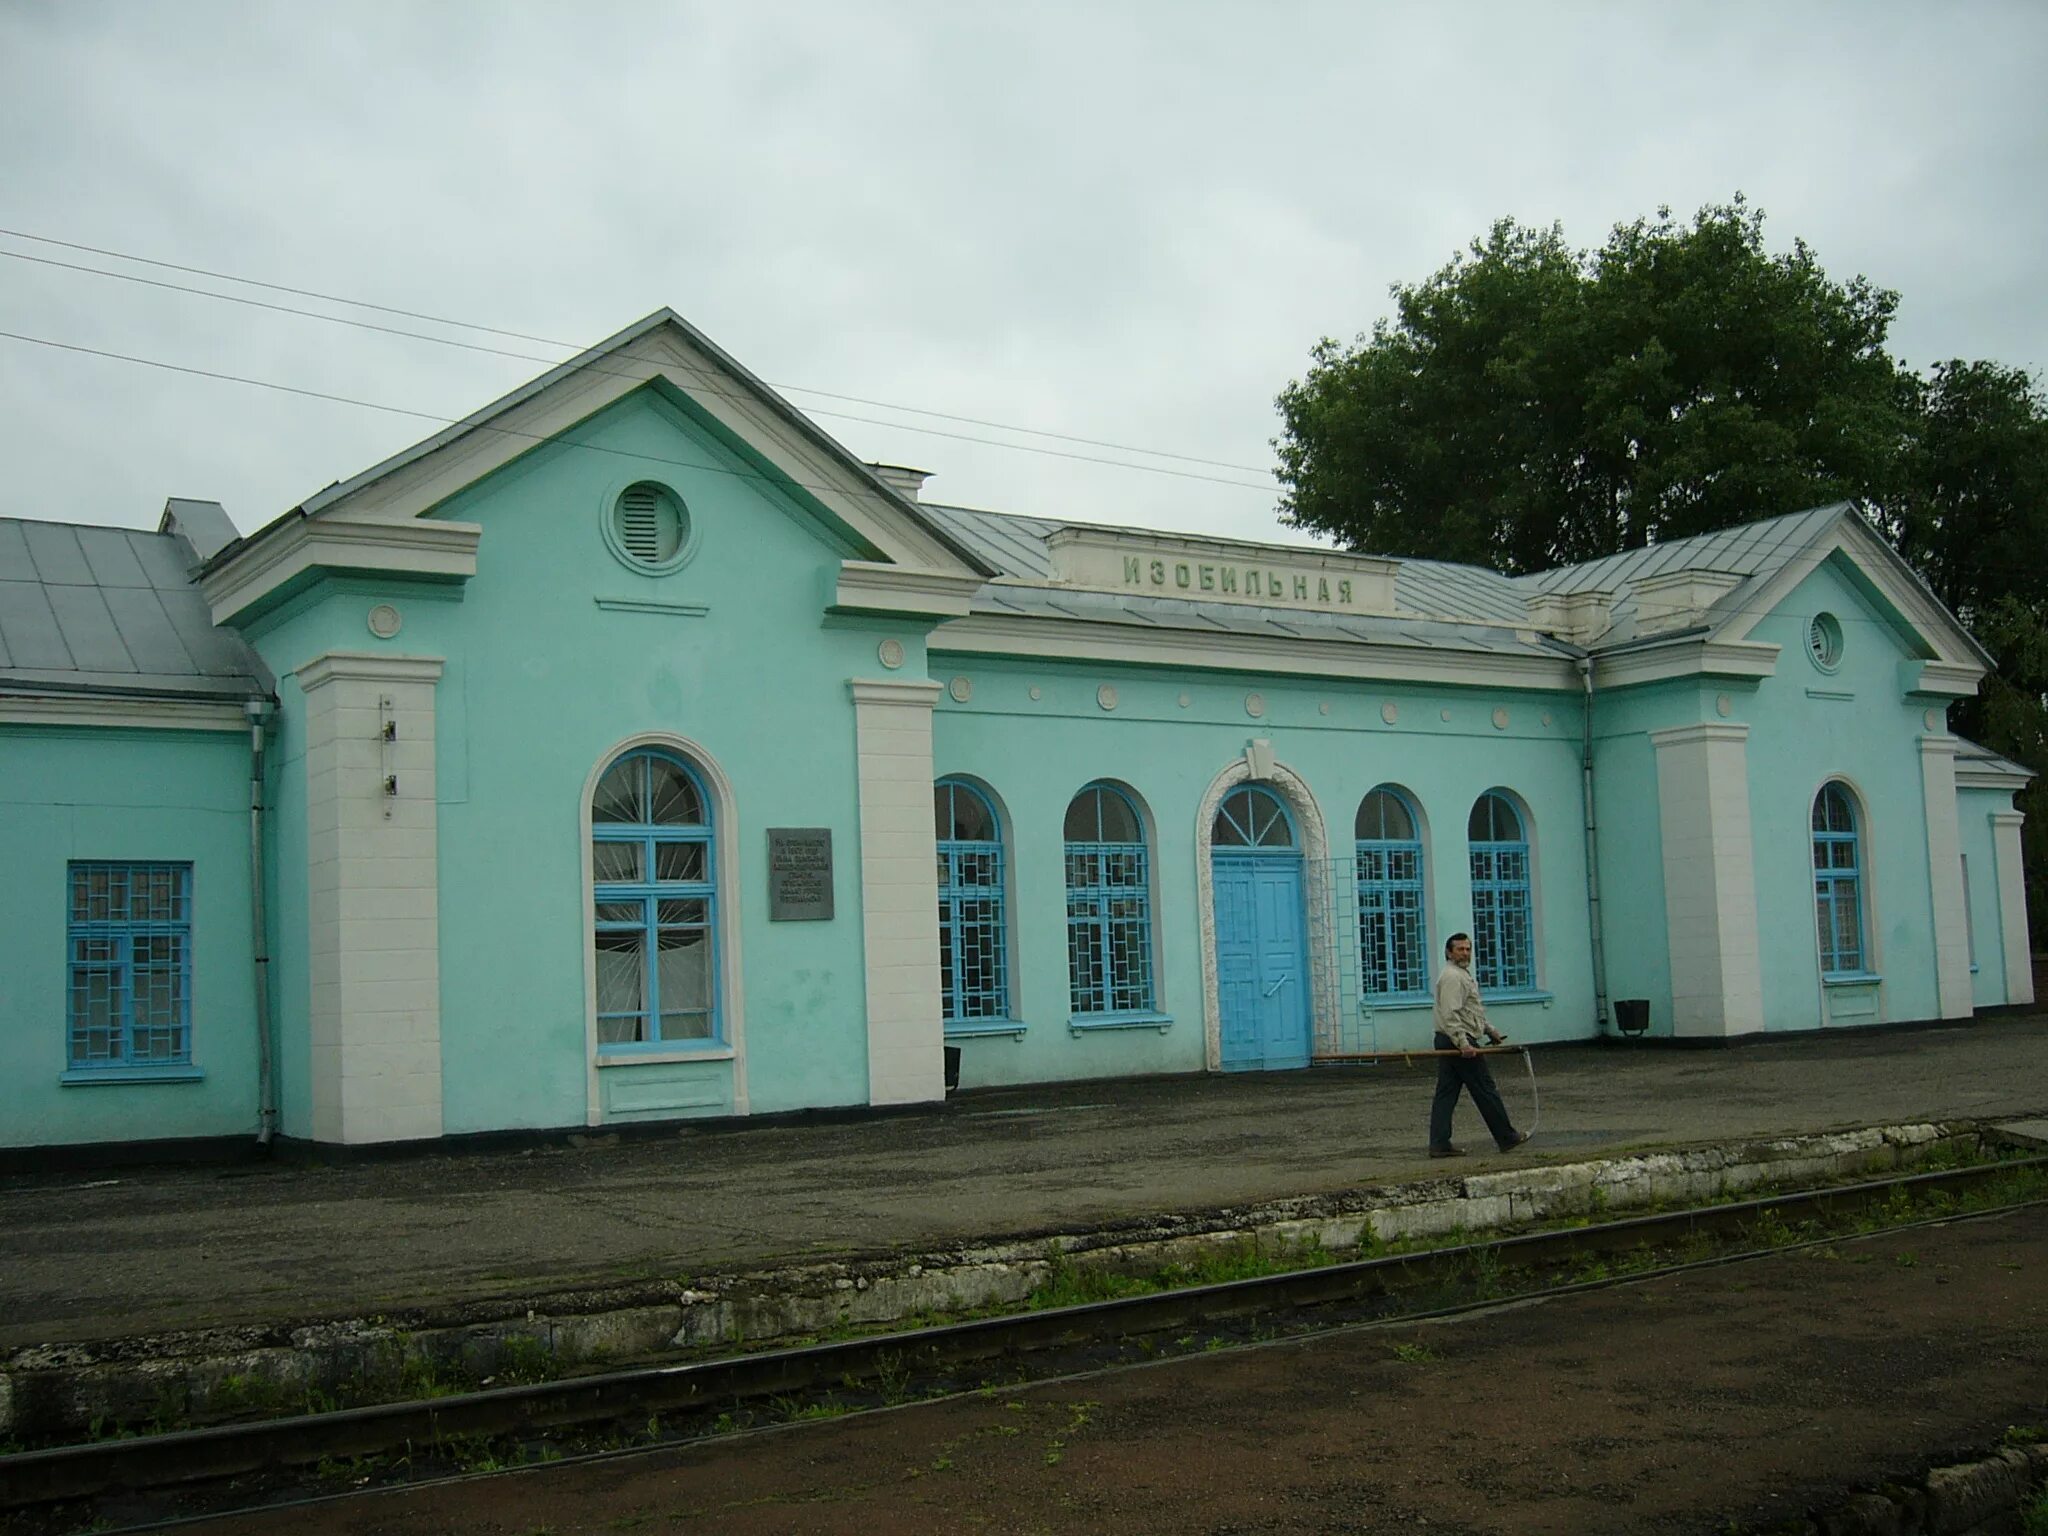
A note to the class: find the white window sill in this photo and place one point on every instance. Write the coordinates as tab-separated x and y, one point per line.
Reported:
97	1077
980	1028
1528	995
1082	1023
1851	979
1373	1004
660	1057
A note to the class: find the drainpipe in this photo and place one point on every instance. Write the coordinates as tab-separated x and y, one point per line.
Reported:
1593	855
258	709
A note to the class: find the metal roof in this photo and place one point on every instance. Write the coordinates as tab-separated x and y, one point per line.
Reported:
1443	606
87	609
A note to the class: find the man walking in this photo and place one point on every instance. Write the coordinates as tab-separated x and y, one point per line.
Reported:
1461	1023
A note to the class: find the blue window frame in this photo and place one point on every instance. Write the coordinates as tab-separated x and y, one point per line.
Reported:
1837	882
974	981
1109	904
129	937
1393	939
1503	944
653	860
1252	819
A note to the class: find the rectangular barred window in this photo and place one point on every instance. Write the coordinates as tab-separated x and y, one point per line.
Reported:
129	989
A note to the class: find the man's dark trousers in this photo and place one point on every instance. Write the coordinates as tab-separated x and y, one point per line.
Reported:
1471	1072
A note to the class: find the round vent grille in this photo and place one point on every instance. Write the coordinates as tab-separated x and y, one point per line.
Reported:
649	523
1824	640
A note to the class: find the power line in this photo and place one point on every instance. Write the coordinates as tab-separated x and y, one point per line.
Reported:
977	421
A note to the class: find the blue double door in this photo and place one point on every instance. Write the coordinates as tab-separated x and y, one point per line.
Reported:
1262	974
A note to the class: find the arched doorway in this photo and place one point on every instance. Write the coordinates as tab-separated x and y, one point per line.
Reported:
1262	957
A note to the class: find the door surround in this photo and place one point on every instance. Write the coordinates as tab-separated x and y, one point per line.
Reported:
1315	855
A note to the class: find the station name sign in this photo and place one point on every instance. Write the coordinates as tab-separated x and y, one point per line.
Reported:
1221	571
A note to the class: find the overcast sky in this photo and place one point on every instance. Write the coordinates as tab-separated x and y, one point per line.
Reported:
1120	222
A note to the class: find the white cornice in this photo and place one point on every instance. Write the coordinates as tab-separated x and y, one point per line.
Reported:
1704	730
1946	679
124	714
1977	774
442	551
367	666
916	693
1081	640
1686	658
872	586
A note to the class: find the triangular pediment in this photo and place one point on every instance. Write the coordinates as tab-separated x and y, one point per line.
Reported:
1856	552
665	353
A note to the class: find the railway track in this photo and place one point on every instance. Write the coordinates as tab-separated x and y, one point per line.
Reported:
165	1462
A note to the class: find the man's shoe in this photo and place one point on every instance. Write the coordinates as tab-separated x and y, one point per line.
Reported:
1446	1151
1520	1137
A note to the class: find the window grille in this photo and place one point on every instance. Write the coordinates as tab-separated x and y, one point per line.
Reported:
1837	882
1393	942
1503	946
973	941
130	987
1109	905
653	874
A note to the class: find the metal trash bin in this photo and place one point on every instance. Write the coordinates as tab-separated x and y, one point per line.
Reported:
1632	1015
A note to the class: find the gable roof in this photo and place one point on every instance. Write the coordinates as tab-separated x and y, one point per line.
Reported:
485	440
112	610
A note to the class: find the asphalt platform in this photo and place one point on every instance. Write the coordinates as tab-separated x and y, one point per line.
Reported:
100	1255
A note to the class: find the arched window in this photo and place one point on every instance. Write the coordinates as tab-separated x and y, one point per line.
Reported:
973	947
1837	881
1251	817
1503	942
1393	942
1109	904
652	851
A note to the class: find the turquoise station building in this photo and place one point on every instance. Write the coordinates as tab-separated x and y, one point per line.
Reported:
630	751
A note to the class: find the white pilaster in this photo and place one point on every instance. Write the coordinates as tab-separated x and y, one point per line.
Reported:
899	890
1945	877
373	896
1709	879
2012	906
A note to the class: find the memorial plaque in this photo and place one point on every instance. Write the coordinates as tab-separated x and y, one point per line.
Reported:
799	874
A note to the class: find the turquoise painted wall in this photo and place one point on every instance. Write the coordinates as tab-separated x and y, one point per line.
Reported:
1631	838
1035	754
1807	725
123	795
1974	810
540	683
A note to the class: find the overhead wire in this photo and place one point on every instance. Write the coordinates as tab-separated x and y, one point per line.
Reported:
410	314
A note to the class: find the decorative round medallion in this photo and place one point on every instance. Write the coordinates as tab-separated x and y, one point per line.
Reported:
1723	705
962	689
1186	699
1444	714
1824	641
1937	720
891	652
1036	692
1106	696
1500	719
1390	711
385	621
1323	708
1255	704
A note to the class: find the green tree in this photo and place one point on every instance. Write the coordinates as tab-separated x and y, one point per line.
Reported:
1971	514
1530	405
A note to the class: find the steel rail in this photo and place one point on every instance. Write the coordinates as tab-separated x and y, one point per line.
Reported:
185	1456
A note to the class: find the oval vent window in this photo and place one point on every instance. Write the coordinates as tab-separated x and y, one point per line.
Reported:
1824	639
650	523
